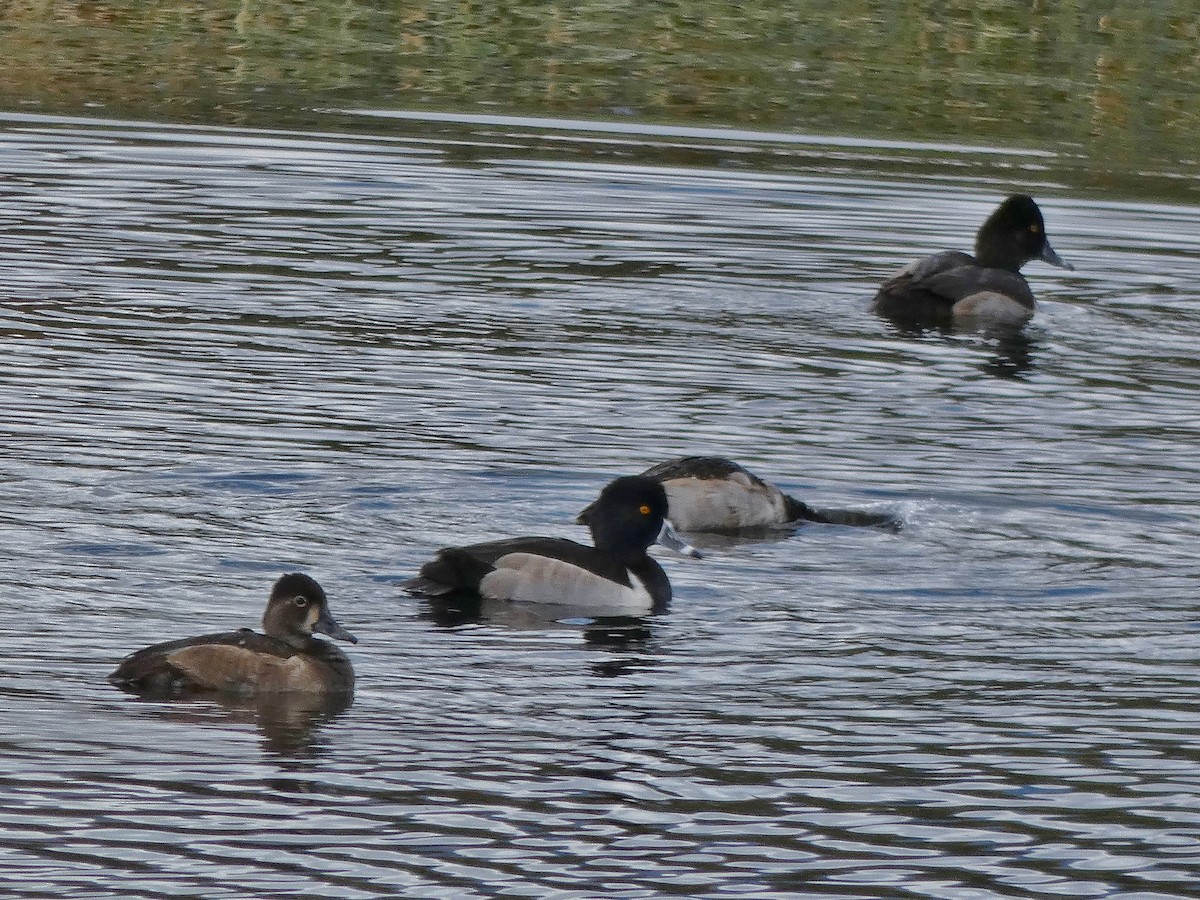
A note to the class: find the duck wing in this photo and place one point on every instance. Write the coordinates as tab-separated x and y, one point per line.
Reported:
219	662
961	282
697	467
935	283
915	277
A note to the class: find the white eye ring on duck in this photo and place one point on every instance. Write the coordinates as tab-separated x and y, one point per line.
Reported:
300	601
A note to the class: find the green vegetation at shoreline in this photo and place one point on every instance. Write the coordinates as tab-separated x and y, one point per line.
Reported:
1115	84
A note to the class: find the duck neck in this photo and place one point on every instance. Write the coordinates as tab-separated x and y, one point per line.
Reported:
273	627
996	255
621	550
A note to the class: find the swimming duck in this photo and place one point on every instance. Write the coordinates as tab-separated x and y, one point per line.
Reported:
955	287
711	493
616	575
286	658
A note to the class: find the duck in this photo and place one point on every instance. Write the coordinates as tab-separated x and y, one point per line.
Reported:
614	576
956	288
715	494
285	658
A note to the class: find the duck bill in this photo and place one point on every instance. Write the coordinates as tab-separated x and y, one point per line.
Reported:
1048	255
326	625
669	538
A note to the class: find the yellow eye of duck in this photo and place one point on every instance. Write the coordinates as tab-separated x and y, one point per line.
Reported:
644	509
1035	227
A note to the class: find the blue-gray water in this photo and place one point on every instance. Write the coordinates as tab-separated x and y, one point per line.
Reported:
232	354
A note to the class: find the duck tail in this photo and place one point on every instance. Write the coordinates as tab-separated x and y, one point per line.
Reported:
799	511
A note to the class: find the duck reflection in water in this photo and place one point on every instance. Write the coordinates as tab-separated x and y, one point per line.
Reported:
612	631
629	636
285	681
289	724
609	590
1010	353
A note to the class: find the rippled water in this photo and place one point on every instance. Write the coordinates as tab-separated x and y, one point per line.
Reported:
232	354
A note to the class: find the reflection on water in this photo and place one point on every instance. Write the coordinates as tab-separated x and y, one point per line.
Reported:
1109	86
1014	354
289	723
1009	352
230	354
601	630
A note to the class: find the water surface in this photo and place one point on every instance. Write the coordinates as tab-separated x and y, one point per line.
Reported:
231	354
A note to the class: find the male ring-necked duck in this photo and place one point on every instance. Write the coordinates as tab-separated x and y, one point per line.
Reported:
954	287
287	658
710	493
616	575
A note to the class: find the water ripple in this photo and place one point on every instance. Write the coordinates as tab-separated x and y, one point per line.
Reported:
230	354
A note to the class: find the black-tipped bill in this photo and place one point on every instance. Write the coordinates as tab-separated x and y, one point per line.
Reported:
326	625
1048	255
669	538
